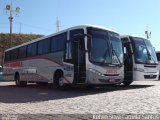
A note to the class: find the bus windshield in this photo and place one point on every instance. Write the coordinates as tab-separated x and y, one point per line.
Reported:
106	47
144	51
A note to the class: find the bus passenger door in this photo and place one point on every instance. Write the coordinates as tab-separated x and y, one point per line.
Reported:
79	59
128	61
77	55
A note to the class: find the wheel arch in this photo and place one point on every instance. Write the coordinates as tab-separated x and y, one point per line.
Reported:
58	72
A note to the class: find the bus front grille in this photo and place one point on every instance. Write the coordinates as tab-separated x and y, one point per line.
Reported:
150	76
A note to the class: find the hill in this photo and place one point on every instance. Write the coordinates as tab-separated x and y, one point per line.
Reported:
17	39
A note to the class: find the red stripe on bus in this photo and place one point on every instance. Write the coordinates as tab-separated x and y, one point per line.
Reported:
50	60
19	63
14	64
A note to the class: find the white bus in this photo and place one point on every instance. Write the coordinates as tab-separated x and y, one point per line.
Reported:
83	54
158	58
1	73
140	61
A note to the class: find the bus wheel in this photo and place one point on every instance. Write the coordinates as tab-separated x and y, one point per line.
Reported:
126	83
59	80
18	82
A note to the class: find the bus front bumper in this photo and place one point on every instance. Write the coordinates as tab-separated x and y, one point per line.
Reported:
143	76
98	78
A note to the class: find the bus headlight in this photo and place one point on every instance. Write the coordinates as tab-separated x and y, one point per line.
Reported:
139	69
96	72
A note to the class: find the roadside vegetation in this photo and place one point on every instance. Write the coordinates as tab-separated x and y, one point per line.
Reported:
17	39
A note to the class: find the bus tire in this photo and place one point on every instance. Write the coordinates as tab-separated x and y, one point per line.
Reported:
58	81
18	82
127	83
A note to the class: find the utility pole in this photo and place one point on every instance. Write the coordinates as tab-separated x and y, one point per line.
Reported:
20	27
11	11
57	25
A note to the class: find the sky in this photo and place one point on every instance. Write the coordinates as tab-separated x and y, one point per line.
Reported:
132	17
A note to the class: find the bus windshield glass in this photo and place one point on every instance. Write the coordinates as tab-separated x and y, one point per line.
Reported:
106	47
144	51
117	51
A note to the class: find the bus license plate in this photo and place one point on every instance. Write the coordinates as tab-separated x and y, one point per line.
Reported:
112	80
111	72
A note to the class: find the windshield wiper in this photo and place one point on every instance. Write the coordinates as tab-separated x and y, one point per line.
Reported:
105	56
114	52
150	57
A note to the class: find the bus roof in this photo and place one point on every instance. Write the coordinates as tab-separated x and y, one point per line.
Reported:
71	28
123	36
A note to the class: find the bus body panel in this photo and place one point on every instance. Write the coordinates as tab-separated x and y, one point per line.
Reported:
104	75
41	68
145	73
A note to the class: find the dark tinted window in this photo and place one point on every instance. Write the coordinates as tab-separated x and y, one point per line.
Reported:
73	33
32	49
44	46
22	52
7	56
58	42
0	69
69	45
158	56
14	54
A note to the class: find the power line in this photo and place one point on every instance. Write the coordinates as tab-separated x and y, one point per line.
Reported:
32	26
37	27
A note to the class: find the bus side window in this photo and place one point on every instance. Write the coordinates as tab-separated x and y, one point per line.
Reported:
58	42
68	57
14	54
7	56
32	49
68	51
158	56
